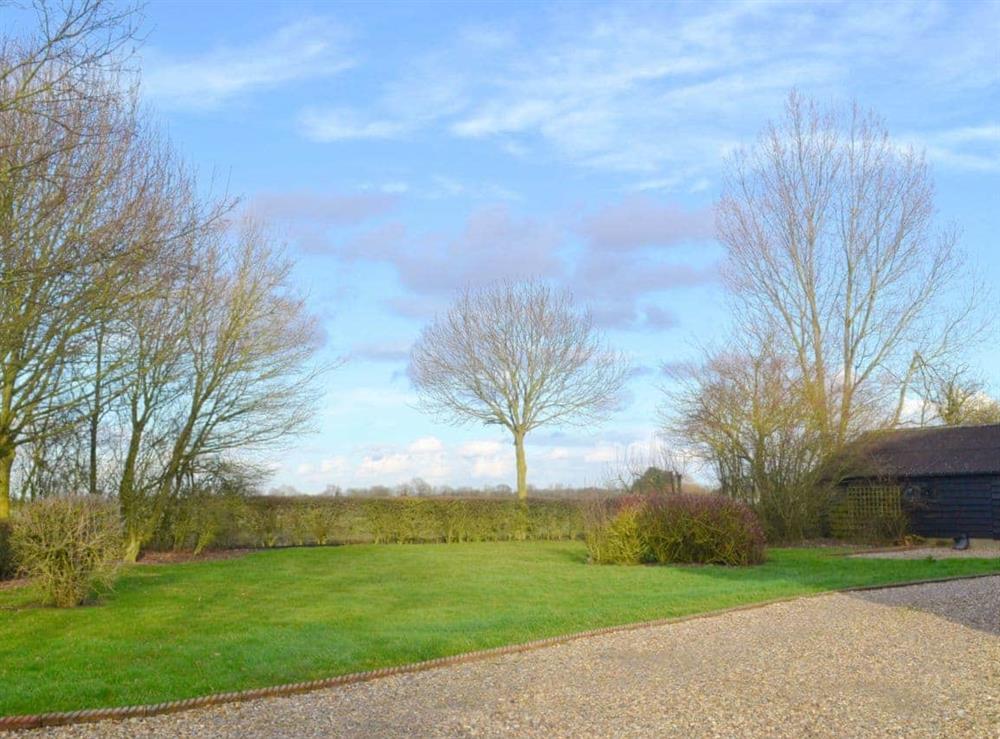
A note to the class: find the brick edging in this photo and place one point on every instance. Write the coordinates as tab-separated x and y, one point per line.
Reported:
61	718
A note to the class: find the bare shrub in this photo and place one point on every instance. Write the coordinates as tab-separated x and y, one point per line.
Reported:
70	546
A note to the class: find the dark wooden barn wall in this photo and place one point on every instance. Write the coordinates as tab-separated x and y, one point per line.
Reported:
958	505
996	507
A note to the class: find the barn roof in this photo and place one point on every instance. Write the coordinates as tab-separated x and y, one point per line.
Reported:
930	451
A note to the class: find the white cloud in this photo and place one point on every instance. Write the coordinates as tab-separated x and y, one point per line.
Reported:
552	458
425	457
556	453
343	124
307	49
333	465
480	448
492	468
426	445
602	453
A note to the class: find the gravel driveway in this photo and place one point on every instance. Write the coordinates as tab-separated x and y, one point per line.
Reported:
864	664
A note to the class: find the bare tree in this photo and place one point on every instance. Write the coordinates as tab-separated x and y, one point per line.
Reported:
221	362
74	182
74	209
76	47
658	467
519	355
954	396
747	416
833	253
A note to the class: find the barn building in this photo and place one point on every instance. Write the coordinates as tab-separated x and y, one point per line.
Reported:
945	479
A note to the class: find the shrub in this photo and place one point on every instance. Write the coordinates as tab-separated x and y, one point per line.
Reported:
8	568
70	546
886	527
674	529
701	529
613	532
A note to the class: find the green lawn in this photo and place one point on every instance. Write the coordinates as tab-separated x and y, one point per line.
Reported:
176	631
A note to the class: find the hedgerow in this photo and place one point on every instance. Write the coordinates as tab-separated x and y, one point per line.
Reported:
269	521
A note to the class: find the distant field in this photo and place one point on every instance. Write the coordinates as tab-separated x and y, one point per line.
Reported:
176	631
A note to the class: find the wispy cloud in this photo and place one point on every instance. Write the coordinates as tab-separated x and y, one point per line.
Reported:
381	352
613	260
664	93
970	148
640	221
342	124
307	49
339	209
309	217
493	243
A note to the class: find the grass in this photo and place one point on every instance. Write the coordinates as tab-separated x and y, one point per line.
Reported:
175	631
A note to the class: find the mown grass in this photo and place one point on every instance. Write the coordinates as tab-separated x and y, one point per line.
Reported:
175	631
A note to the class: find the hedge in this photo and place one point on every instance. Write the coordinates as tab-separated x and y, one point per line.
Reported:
225	522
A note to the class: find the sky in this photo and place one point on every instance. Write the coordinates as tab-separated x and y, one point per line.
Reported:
407	150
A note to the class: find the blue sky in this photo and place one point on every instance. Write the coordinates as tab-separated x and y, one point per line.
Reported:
405	150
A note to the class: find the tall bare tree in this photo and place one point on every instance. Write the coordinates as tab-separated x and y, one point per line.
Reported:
744	412
74	206
833	253
520	355
73	193
220	362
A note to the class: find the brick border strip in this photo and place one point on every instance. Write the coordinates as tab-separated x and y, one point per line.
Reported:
62	718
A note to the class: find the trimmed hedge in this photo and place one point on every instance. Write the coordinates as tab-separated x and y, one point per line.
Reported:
225	522
674	529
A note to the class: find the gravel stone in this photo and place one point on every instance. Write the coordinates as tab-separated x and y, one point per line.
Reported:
893	663
974	603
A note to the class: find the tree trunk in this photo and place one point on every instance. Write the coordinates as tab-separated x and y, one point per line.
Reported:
133	545
95	416
6	465
127	494
522	466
